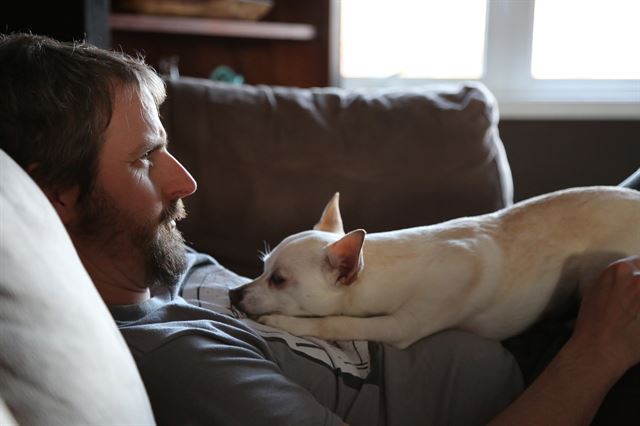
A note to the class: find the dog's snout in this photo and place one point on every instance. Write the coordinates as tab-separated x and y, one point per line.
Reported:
235	296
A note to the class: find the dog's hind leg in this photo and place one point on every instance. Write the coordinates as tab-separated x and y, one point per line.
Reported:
389	329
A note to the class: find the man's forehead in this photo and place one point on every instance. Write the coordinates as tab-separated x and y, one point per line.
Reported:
135	124
149	110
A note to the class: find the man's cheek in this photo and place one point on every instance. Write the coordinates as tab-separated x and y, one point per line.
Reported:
145	206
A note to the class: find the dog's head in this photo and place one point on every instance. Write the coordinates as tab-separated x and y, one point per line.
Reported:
308	273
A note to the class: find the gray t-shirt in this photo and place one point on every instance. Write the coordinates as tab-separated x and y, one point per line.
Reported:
205	367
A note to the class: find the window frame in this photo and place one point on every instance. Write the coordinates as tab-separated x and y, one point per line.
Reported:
507	73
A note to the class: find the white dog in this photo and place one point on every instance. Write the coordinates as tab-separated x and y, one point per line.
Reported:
493	274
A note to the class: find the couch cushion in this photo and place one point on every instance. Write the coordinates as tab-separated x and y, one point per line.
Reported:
63	361
267	159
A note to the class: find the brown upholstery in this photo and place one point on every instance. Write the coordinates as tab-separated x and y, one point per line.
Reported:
267	159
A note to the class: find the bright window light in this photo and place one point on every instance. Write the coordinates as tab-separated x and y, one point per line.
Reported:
412	39
586	39
546	59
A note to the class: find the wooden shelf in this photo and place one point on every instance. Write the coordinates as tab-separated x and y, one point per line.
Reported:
211	27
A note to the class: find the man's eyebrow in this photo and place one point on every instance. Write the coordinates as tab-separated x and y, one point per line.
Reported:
159	142
150	144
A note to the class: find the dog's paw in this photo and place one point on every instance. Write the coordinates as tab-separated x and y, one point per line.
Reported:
283	322
273	320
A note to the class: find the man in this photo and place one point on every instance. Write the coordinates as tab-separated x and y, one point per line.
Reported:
84	123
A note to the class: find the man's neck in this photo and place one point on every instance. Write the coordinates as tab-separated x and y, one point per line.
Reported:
118	277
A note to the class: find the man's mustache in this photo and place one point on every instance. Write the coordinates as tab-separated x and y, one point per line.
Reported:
174	211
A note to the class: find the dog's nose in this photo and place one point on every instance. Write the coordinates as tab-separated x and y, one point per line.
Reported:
235	296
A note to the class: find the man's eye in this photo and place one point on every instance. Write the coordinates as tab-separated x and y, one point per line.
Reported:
276	280
146	158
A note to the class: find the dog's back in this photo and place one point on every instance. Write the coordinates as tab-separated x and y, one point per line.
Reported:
551	244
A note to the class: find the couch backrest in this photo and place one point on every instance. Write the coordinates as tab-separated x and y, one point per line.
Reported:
267	160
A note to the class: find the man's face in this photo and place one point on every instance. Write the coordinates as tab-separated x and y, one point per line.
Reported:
133	209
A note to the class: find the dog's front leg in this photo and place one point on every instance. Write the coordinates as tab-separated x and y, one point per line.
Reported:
383	328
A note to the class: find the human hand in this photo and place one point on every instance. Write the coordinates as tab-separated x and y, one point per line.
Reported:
604	344
608	323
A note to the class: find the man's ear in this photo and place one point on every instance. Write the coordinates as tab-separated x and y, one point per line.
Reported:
66	203
331	221
63	201
345	255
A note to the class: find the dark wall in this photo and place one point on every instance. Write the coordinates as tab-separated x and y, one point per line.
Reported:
550	155
68	20
63	20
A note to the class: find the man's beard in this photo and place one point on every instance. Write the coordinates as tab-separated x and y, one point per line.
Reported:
160	243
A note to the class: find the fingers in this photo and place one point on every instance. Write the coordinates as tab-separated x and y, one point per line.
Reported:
626	265
614	299
626	280
609	318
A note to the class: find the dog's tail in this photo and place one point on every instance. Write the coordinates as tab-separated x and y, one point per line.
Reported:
632	181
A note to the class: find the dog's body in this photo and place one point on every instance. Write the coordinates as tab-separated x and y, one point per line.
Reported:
493	275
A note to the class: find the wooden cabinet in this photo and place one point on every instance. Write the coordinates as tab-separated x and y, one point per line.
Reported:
289	46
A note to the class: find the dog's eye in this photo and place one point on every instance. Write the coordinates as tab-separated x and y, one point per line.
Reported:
276	280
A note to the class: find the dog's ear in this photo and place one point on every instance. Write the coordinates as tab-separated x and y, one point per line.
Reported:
345	255
331	221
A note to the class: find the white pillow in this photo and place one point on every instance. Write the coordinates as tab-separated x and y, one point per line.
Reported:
62	358
6	419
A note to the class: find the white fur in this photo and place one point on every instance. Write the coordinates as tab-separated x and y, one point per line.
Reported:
493	275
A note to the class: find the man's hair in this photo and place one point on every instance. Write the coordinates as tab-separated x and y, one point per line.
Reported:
56	101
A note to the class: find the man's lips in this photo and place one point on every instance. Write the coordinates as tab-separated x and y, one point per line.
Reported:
173	213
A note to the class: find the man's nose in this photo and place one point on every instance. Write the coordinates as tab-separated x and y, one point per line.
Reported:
180	182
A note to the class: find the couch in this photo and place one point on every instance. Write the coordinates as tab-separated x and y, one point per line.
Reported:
267	159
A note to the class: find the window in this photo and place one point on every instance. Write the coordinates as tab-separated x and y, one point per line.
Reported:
377	37
541	58
601	42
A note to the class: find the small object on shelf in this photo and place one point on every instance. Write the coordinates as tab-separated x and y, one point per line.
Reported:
168	67
226	9
226	74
